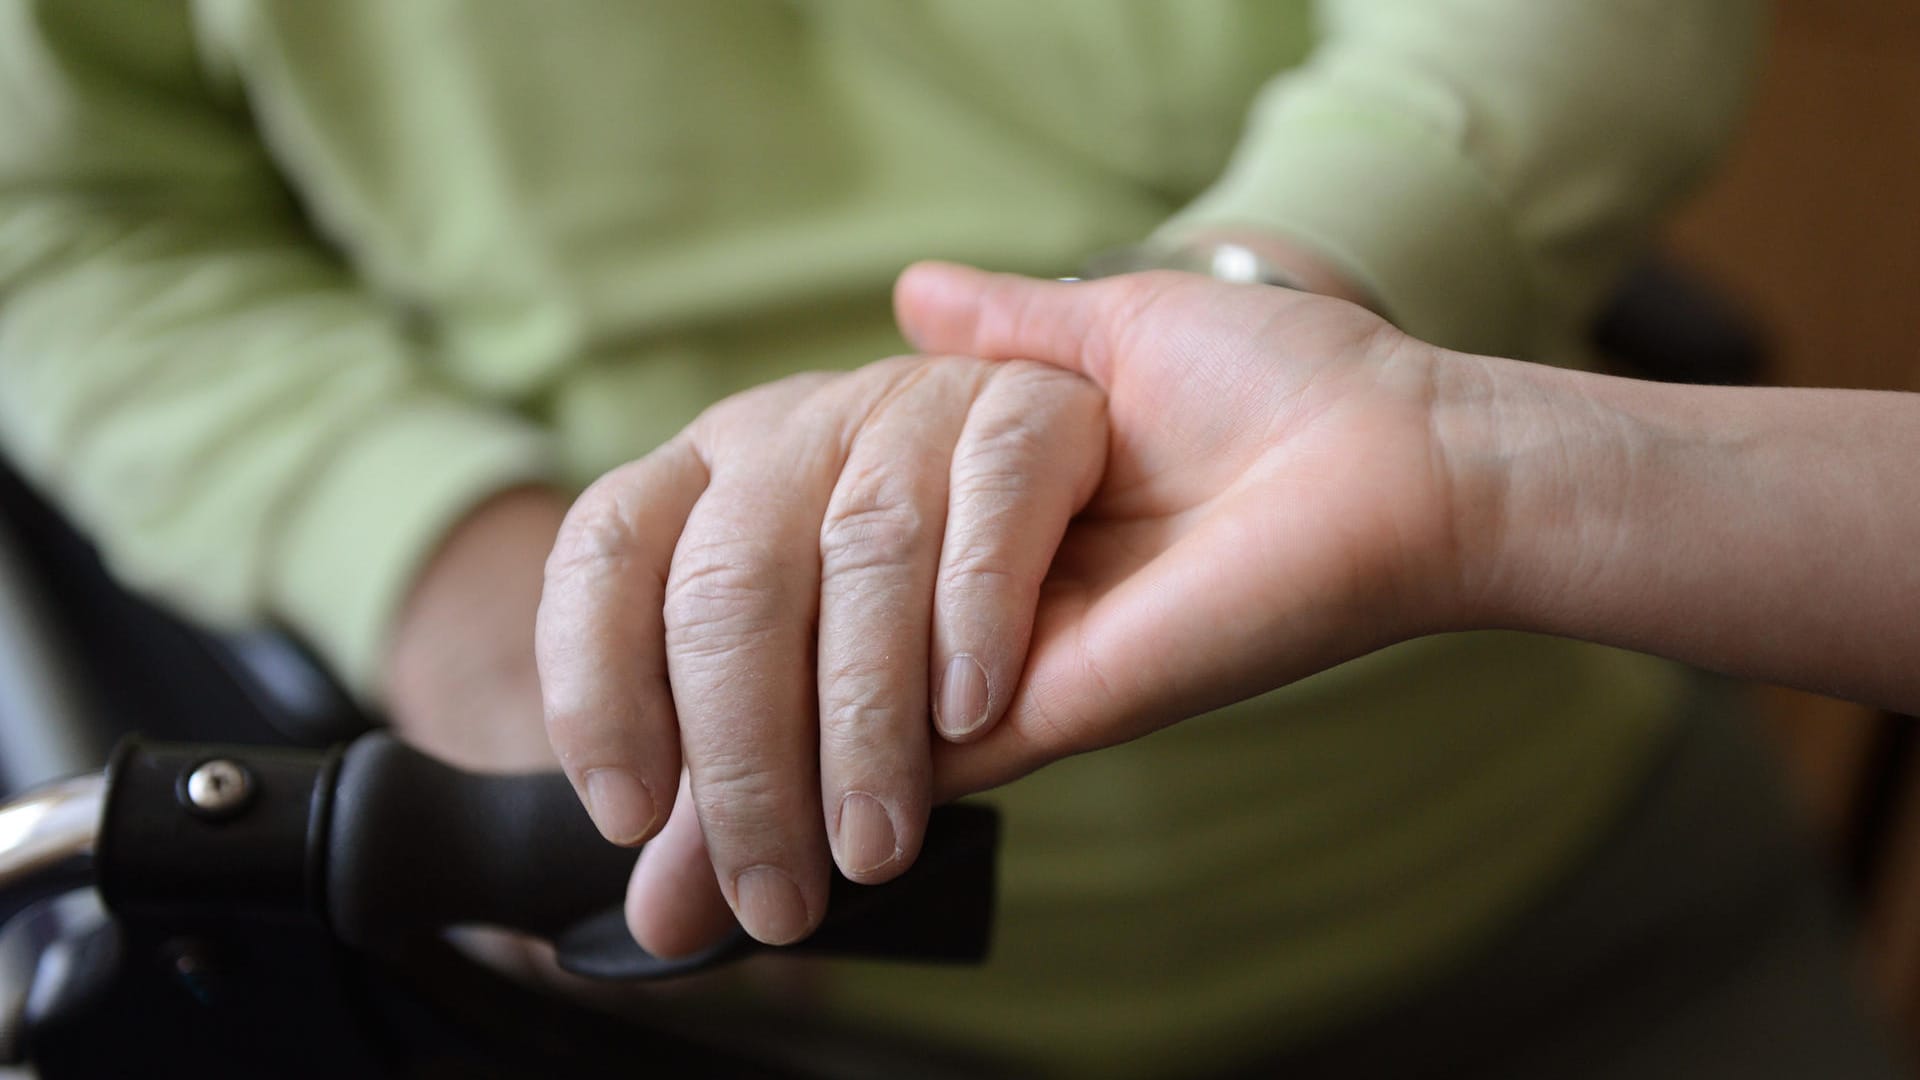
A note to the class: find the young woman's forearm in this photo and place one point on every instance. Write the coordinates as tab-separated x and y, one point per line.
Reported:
1767	533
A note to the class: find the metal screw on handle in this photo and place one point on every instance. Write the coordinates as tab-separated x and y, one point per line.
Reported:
218	788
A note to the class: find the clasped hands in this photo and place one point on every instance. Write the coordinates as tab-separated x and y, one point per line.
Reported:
1084	512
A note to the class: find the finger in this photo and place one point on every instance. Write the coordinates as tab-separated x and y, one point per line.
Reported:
741	600
879	546
1069	689
674	906
947	308
599	641
1028	460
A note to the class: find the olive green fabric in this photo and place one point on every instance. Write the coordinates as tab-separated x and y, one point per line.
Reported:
286	287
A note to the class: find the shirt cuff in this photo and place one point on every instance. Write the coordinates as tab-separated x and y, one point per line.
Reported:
1391	205
350	549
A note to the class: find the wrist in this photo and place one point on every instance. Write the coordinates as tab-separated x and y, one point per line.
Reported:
460	666
1539	462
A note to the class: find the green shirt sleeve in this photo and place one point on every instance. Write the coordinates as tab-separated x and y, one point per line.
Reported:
1486	167
244	430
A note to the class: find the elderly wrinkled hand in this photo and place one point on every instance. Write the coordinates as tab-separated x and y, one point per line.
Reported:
795	598
1259	494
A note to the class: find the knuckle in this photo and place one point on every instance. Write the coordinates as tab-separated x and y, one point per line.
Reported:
996	491
1004	450
872	736
597	535
979	572
1027	375
990	505
1036	412
607	720
861	701
738	798
1054	402
873	524
602	720
732	773
985	555
568	725
721	595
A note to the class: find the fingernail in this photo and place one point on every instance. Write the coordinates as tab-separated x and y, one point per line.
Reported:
769	905
963	698
866	834
620	805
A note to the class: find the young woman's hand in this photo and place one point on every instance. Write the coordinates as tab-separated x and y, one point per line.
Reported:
1292	483
1276	498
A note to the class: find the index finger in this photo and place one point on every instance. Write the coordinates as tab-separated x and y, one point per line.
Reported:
600	641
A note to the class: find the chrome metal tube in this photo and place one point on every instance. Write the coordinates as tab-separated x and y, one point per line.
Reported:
50	726
47	840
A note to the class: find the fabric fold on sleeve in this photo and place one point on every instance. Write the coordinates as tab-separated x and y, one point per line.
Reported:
1488	168
1395	209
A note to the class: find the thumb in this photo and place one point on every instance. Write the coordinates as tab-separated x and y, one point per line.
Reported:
948	308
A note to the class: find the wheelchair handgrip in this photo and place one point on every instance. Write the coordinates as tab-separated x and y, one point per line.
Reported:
416	843
384	844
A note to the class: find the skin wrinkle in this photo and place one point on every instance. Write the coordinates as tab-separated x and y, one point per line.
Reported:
991	446
1131	308
717	573
880	535
1005	467
874	531
875	505
606	532
1482	496
1419	586
630	724
594	541
1451	580
1007	455
730	580
1349	510
855	422
870	527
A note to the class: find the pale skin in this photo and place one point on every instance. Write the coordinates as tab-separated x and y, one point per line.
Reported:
1279	482
460	674
788	615
808	590
1284	482
461	679
1758	532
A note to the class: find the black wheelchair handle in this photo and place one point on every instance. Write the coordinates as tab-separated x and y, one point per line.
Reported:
417	843
380	842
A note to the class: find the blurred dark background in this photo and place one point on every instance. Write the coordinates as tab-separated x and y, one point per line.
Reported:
1814	225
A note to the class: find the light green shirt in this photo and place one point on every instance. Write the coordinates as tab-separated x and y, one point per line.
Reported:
286	287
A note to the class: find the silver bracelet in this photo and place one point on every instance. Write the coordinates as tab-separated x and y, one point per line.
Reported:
1230	262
